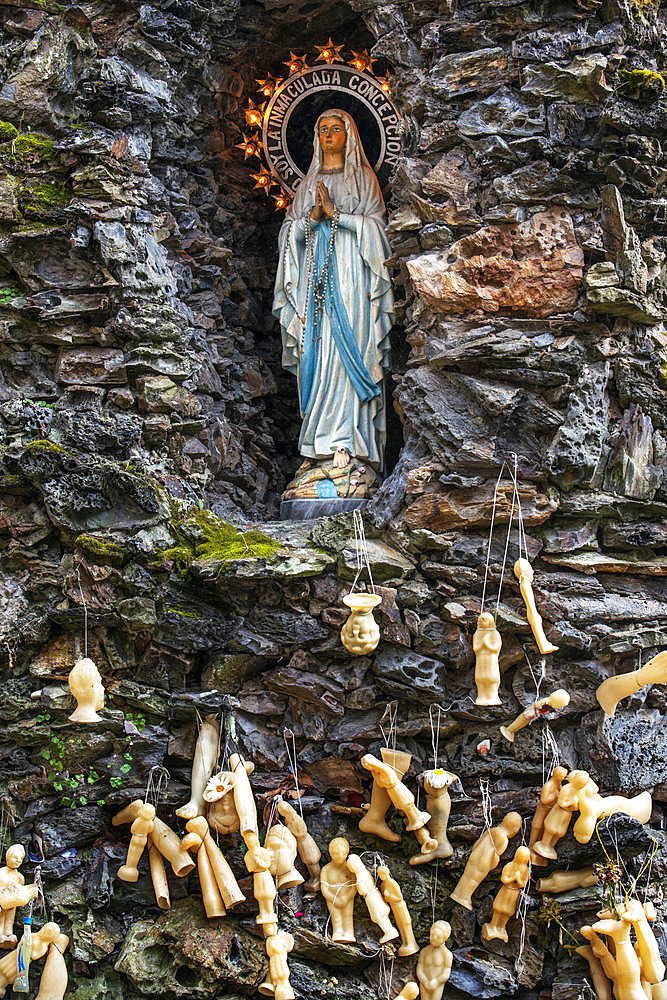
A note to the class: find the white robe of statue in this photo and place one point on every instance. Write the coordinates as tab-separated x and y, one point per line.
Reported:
334	415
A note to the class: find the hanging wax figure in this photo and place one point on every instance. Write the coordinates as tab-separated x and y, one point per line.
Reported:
335	304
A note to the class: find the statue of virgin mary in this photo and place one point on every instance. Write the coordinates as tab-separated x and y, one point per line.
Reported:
335	304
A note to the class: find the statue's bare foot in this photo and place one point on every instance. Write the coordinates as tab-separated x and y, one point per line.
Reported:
305	465
341	458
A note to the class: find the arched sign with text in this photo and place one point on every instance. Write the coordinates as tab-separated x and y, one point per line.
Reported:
289	120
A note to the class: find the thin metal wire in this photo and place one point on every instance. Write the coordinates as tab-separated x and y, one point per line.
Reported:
488	547
85	613
361	550
157	784
389	738
291	756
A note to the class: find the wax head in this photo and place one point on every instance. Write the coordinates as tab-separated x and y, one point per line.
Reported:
440	932
147	811
579	778
650	910
586	932
383	872
511	823
522	855
523	568
15	856
84	677
559	773
559	699
339	850
410	991
486	620
49	932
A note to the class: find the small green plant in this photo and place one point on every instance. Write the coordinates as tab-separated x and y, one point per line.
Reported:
116	782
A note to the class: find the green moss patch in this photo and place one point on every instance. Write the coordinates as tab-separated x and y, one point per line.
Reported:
641	84
201	535
7	131
102	549
42	444
43	197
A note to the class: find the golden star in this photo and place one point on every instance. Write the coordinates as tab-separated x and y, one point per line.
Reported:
362	61
281	201
263	180
269	86
254	113
296	63
329	53
251	146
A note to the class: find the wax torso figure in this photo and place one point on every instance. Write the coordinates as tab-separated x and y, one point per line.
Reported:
334	301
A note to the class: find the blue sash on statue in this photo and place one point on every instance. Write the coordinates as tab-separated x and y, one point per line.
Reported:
341	331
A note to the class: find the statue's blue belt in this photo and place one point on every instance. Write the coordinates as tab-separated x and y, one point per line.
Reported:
341	331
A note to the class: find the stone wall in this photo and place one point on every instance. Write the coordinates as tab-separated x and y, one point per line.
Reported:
143	412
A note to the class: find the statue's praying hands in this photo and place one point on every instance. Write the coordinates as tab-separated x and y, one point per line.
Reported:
324	206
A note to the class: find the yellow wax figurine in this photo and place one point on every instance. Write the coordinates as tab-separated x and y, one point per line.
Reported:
438	805
9	964
140	829
652	964
13	893
338	885
278	947
206	751
392	894
565	881
309	852
554	702
374	820
601	984
280	842
614	689
487	644
282	947
53	981
244	800
213	902
162	836
85	683
403	800
258	861
224	876
360	634
158	877
375	904
548	798
524	573
593	806
409	992
484	857
600	951
558	819
219	796
514	877
628	970
434	964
